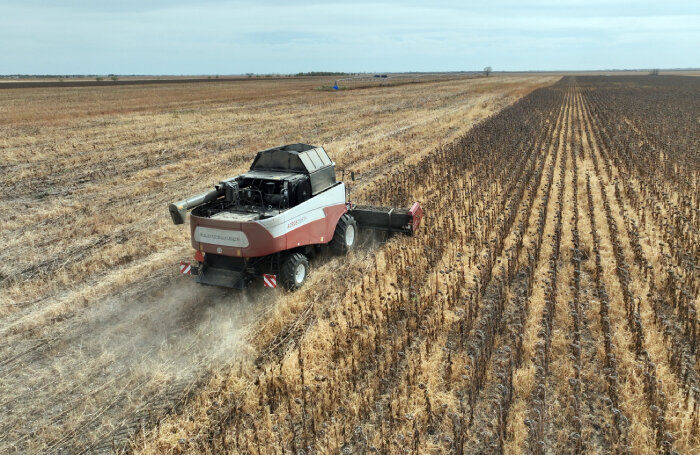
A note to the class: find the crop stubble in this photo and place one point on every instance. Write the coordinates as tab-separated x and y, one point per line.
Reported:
548	306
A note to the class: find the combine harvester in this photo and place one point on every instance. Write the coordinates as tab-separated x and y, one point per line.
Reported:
266	223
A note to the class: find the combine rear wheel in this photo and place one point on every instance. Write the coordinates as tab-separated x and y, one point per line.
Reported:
294	271
345	236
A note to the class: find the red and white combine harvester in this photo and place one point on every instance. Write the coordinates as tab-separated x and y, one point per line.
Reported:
266	223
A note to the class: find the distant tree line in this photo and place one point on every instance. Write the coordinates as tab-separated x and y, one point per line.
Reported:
322	73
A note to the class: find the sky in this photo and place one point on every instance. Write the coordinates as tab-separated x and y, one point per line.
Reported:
244	36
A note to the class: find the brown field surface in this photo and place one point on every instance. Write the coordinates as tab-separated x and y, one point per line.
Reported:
548	305
100	338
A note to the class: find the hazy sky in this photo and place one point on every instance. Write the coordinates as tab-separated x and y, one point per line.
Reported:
240	36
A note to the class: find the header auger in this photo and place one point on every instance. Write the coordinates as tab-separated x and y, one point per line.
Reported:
266	223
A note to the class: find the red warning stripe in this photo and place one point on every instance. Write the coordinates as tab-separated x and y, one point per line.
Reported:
185	268
270	280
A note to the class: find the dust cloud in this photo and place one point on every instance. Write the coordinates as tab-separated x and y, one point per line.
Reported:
88	382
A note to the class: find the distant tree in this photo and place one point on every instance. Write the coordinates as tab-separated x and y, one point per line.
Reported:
99	78
115	78
487	71
654	72
321	73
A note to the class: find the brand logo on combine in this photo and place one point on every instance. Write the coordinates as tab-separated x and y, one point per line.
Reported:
220	237
296	223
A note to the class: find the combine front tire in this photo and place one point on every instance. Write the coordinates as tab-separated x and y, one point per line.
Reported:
294	271
345	236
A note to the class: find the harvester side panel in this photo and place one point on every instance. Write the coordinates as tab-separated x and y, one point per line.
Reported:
308	223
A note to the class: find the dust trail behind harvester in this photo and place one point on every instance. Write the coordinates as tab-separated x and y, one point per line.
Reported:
87	383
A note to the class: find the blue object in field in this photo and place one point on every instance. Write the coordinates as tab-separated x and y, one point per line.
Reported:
335	86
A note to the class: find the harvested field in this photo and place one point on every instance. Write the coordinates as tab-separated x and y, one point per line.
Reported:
100	338
548	306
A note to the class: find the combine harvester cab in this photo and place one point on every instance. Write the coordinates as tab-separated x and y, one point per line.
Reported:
266	223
